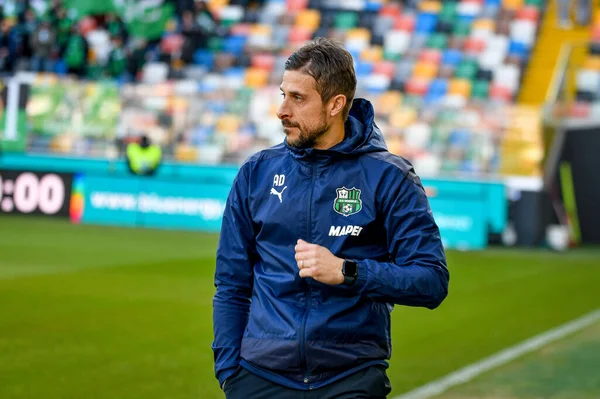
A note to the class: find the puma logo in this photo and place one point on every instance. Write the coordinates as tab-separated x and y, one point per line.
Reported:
273	191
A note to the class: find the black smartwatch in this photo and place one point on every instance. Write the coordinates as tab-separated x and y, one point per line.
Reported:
350	271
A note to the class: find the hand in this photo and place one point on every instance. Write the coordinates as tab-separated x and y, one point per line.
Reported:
319	263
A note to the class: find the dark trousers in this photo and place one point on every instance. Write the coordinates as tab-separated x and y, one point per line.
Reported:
369	383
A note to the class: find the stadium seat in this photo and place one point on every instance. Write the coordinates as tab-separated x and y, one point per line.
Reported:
417	87
60	67
155	72
215	44
438	87
461	28
256	77
234	44
309	19
363	68
452	57
271	12
524	31
425	70
383	25
186	153
425	23
391	9
437	41
588	80
460	87
433	56
346	20
403	116
528	12
480	89
417	135
473	46
491	59
386	68
230	15
448	12
404	69
405	23
240	29
376	83
592	62
512	5
296	5
387	102
372	54
357	39
507	76
430	6
367	20
263	60
279	38
234	77
500	93
467	69
374	6
298	35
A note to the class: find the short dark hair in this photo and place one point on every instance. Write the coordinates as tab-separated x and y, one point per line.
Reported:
330	65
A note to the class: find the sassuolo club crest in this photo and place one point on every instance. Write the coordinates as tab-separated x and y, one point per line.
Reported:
347	201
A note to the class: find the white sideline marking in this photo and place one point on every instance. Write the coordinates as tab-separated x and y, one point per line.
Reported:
471	371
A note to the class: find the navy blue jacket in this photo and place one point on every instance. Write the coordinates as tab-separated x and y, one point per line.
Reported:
360	202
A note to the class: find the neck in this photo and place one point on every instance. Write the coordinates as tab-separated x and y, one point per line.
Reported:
334	135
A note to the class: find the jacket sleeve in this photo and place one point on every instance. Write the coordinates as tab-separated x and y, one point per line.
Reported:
233	279
416	274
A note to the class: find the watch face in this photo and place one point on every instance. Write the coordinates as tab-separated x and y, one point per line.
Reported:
350	268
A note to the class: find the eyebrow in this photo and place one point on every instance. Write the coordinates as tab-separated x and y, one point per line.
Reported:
293	92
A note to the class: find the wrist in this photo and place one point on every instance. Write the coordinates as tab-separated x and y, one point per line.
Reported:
349	272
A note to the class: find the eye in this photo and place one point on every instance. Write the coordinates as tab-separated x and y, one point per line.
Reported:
297	98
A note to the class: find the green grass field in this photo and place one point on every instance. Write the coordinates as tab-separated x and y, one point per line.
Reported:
567	369
111	313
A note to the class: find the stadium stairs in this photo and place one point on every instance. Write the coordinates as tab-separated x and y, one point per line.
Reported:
546	53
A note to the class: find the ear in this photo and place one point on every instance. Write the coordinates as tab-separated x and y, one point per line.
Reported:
337	104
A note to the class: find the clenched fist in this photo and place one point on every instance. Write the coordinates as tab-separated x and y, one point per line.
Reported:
319	263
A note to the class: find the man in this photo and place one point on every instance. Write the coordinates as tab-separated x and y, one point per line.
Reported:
321	236
143	158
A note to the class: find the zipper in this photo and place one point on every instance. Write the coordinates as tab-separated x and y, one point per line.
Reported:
308	291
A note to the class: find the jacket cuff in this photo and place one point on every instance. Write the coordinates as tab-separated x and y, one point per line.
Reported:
361	278
225	375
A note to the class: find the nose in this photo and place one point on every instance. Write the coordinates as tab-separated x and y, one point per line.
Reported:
283	111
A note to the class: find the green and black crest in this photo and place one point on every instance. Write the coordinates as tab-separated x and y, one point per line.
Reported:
348	201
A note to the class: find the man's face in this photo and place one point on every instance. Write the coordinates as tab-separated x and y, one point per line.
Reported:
303	115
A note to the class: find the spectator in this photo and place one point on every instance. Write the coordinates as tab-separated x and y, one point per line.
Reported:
28	27
205	19
117	59
583	12
137	58
183	5
62	25
194	36
143	158
8	46
76	52
563	12
43	44
116	27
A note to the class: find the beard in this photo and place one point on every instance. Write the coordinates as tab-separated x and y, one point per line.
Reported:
307	138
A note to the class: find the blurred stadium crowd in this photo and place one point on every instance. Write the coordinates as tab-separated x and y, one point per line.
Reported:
444	76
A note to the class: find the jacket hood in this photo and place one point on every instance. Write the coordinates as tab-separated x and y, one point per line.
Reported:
362	134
